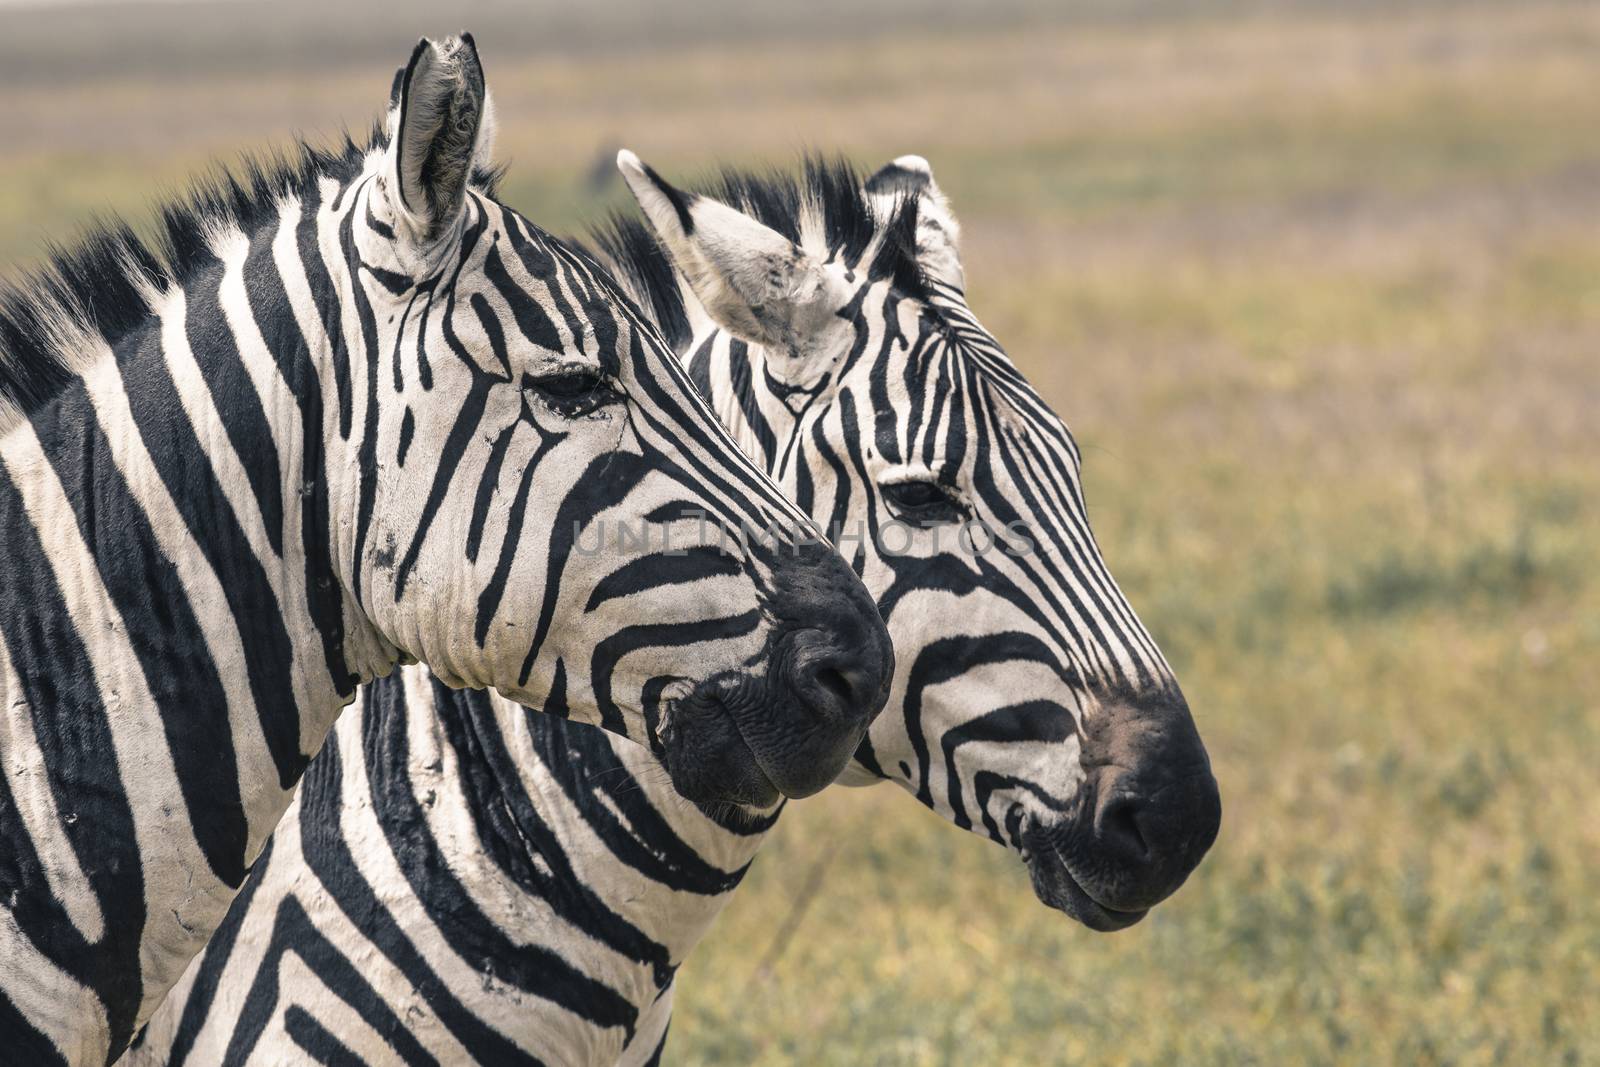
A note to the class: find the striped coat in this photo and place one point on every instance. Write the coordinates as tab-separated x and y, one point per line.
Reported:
352	411
453	858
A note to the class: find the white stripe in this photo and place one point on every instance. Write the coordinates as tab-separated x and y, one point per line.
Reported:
184	901
69	1014
282	410
198	404
301	986
233	983
674	918
369	846
650	1030
524	919
259	793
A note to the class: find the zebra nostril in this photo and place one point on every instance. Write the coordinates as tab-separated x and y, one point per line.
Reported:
1119	827
833	680
832	693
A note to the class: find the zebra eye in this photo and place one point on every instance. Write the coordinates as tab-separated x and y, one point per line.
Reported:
572	391
924	501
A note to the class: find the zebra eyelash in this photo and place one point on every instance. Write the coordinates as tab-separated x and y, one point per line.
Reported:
572	391
922	500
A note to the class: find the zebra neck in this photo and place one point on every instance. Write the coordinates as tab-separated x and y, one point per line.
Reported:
563	819
168	575
725	371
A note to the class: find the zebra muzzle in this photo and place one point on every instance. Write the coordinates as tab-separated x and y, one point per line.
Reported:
698	740
1147	813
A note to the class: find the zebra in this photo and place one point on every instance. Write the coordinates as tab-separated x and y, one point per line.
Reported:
352	412
436	881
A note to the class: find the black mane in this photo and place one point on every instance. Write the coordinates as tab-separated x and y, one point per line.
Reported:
828	190
98	287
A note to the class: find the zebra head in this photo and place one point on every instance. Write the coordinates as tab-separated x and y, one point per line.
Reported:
830	327
534	478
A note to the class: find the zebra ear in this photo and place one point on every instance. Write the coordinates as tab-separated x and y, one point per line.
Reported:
938	233
439	126
752	280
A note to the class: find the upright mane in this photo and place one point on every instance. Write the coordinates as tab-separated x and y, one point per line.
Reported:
102	287
828	197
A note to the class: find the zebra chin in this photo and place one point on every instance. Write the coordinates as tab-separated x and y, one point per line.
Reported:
1056	887
698	741
1147	813
735	738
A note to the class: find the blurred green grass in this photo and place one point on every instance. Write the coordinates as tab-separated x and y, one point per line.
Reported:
1320	295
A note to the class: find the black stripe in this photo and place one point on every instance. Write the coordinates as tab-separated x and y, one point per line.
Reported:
488	481
215	958
269	305
73	729
1048	594
489	322
950	657
293	931
581	760
528	852
461	435
841	475
699	368
245	419
541	264
886	420
191	480
489	597
609	651
749	403
24	1044
530	317
466	423
676	565
696	441
400	337
408	427
606	482
367	452
1033	721
680	201
502	813
375	224
329	858
161	628
317	1041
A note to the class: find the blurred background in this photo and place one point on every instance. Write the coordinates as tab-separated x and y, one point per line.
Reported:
1317	286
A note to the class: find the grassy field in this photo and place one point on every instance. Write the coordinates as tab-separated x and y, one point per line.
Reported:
1320	296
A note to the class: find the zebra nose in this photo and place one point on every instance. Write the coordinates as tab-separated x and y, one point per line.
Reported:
832	671
1151	808
1152	838
834	682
